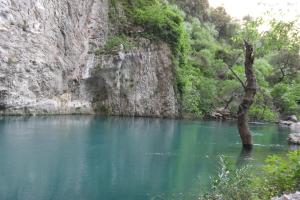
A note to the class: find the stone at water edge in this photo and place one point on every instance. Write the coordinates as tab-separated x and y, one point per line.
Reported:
221	113
294	138
295	127
285	123
295	196
292	118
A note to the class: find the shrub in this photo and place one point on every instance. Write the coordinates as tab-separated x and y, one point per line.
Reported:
286	98
281	174
117	41
198	93
164	21
202	52
231	183
263	113
278	175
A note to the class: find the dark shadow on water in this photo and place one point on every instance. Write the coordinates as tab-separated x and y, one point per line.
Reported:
244	157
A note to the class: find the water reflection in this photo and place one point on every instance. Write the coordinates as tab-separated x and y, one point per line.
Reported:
86	157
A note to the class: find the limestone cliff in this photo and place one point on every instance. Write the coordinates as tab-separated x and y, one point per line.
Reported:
49	66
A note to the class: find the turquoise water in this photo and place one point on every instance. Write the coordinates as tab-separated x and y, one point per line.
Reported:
86	157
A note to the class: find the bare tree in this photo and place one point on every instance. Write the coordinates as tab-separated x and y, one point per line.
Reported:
250	91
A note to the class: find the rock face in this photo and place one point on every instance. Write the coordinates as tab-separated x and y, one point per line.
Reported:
138	82
47	66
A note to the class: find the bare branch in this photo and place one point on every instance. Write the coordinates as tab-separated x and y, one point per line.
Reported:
237	77
233	72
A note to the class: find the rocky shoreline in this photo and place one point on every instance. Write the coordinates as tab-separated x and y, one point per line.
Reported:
295	196
294	125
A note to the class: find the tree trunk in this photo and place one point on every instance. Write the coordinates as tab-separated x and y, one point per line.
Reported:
250	90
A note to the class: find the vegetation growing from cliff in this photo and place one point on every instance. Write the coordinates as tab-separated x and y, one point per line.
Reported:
158	21
115	42
207	48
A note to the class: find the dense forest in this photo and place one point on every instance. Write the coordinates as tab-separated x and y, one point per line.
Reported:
207	46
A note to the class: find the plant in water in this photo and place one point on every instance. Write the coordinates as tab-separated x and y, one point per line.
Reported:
231	183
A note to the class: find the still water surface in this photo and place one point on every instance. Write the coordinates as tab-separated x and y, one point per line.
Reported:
86	157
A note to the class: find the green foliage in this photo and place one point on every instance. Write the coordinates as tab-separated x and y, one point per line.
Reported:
263	113
164	21
195	90
195	8
198	77
223	23
249	32
277	176
286	66
286	97
231	183
116	42
262	70
205	52
283	35
112	10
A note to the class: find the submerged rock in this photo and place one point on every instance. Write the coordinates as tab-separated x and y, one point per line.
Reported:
295	196
294	138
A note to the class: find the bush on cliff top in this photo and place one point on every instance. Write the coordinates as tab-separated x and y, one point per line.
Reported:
162	21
